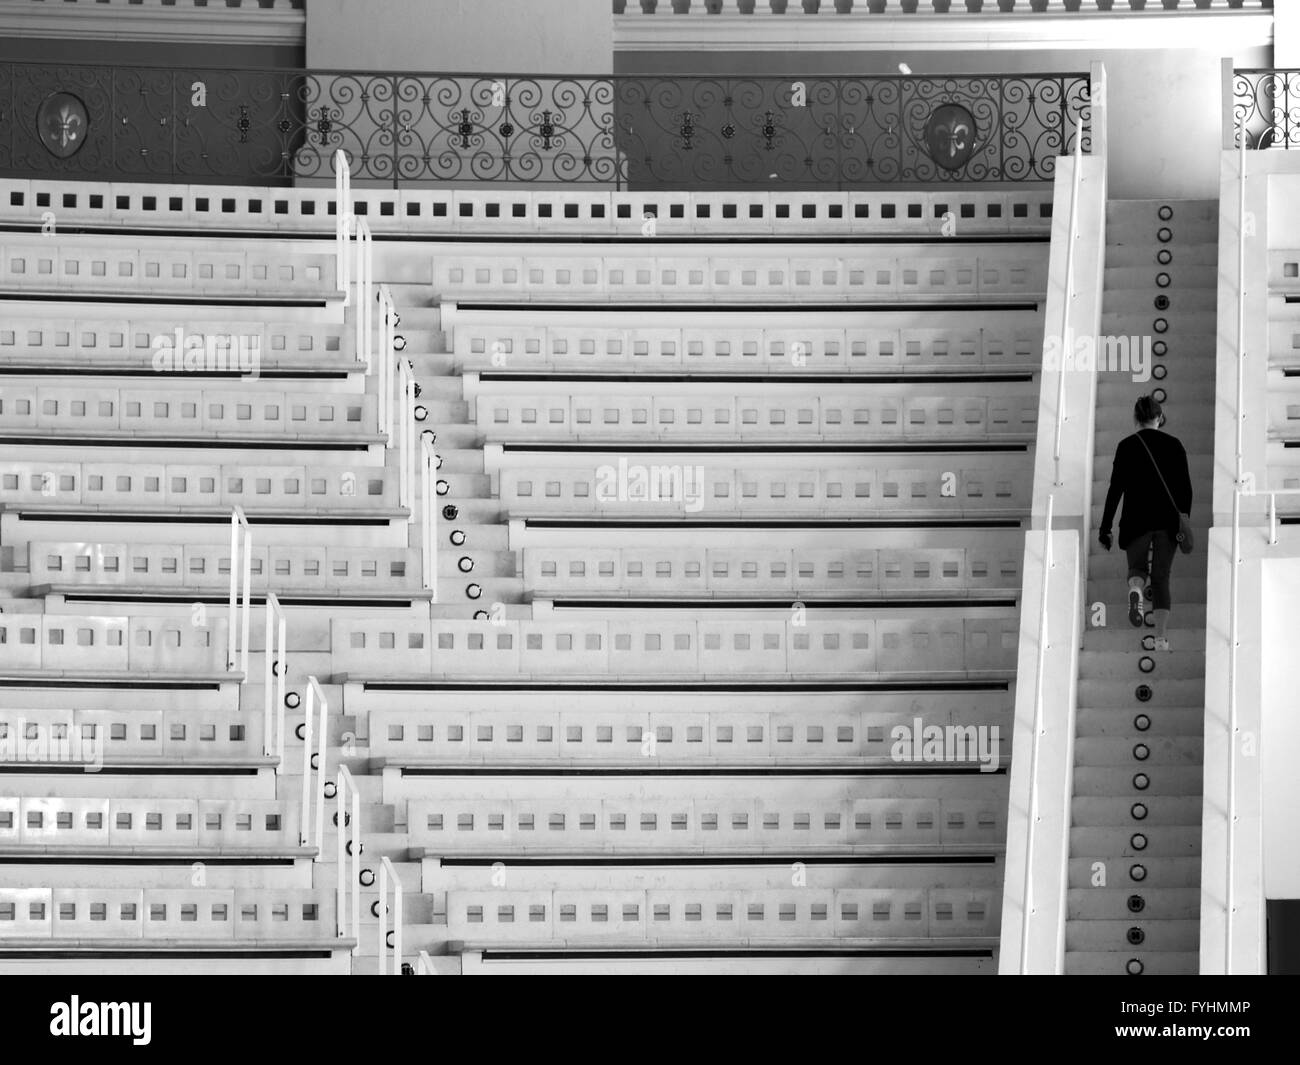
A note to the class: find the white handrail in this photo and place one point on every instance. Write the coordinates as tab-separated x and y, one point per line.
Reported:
363	310
406	433
429	524
277	653
385	399
342	221
1236	553
348	820
386	870
305	835
241	544
1067	295
1035	746
424	965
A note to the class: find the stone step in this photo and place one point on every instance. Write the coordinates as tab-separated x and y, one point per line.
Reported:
1103	904
1152	841
1156	810
1126	665
1199	254
1118	963
1170	936
1118	723
1150	873
1145	750
1182	277
1100	693
1125	213
1112	782
1121	636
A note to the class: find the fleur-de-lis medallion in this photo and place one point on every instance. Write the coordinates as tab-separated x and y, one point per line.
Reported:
63	124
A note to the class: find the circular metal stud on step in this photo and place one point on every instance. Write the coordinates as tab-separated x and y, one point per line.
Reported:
1138	811
1149	642
367	879
1164	234
1165	213
1159	371
1160	325
1136	904
1134	967
1135	936
1161	302
399	343
1141	781
457	537
1149	620
1141	752
1164	256
465	564
292	700
1159	349
1137	872
1162	280
1143	692
473	591
450	512
481	615
1138	841
1142	722
1146	664
442	488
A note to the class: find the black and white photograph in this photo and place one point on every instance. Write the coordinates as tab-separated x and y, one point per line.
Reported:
673	488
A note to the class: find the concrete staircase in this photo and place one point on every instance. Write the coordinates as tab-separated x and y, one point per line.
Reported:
483	544
1135	835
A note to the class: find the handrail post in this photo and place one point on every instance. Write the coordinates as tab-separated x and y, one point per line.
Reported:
405	434
305	833
429	524
349	825
273	681
362	310
241	565
342	221
386	871
385	354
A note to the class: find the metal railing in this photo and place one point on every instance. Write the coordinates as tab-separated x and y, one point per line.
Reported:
424	965
1266	107
276	669
387	873
678	132
241	562
347	818
313	769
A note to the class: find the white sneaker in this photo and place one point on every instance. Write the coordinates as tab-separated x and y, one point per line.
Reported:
1161	644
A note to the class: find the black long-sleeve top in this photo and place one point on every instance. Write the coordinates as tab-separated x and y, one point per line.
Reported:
1146	504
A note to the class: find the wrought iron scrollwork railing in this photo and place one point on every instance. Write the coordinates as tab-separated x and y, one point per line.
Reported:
696	132
1266	104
